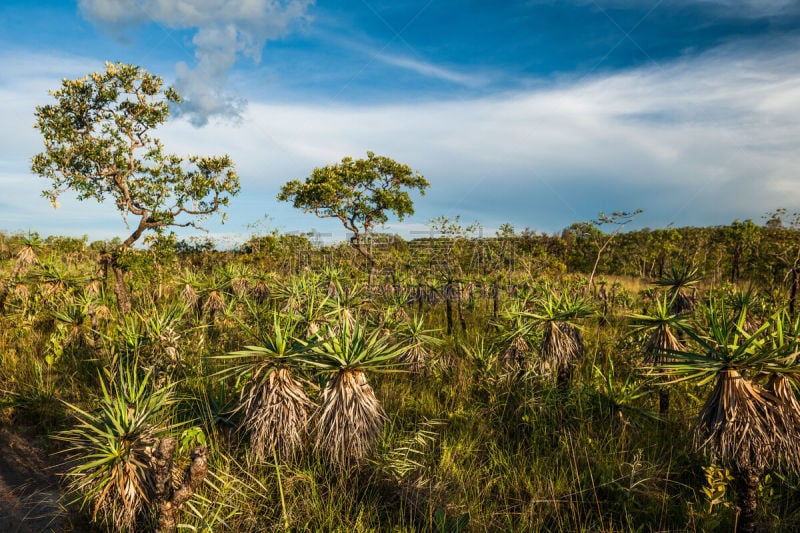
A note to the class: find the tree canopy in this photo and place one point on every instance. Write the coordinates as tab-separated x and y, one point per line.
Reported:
98	144
361	193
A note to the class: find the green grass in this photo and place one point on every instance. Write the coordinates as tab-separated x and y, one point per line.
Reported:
466	438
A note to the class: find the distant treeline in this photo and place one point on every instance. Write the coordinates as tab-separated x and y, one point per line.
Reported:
740	252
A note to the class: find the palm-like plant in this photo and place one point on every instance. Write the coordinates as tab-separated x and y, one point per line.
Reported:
743	424
346	303
276	407
660	326
26	256
618	395
562	343
745	302
111	447
677	281
515	332
418	341
350	417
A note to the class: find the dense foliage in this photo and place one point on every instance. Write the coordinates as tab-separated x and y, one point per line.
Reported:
394	424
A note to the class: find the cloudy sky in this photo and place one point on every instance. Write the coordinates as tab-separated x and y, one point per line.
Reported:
538	113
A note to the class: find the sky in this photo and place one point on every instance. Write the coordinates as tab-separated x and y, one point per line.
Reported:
535	113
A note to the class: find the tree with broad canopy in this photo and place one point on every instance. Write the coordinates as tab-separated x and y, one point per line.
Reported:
98	144
360	193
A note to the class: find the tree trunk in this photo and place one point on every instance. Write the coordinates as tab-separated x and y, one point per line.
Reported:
448	309
355	241
171	501
460	306
372	271
120	289
793	294
4	290
663	402
747	481
495	300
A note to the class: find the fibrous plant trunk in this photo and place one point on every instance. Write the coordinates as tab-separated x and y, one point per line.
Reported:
26	258
516	354
562	347
740	425
276	416
788	425
657	351
747	481
350	419
737	422
681	302
170	500
416	357
189	296
213	304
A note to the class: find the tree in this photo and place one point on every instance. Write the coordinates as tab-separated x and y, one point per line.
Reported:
350	417
750	421
276	408
592	229
360	193
98	145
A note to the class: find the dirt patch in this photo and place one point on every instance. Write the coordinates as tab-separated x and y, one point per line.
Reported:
30	499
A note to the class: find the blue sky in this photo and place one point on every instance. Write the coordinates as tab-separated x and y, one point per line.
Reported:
537	113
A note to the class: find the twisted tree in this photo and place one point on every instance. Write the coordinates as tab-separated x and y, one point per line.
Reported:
98	144
360	193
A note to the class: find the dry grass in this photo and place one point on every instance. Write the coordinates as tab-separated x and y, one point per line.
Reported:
738	421
658	346
562	347
276	416
349	419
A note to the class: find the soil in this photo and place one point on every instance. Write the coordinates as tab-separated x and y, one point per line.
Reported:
30	499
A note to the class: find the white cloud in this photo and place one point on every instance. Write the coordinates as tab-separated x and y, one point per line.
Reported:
704	140
697	141
429	69
226	29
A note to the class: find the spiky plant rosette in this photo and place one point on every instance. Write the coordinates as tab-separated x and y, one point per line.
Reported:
26	256
275	406
190	293
677	281
162	327
419	342
562	343
746	302
346	306
742	423
515	331
350	418
110	448
660	326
